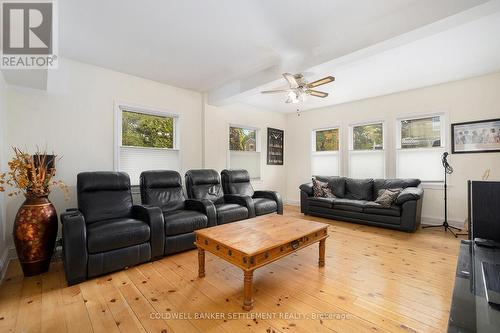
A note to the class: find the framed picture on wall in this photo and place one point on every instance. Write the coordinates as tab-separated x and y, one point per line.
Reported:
275	146
482	136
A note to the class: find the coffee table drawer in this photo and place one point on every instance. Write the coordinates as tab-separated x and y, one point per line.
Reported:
274	253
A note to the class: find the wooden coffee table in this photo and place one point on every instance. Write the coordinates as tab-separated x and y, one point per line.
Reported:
256	242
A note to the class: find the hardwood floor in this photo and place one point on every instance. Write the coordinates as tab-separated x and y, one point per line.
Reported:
374	280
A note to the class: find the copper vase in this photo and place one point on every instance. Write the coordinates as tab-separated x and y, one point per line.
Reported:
35	232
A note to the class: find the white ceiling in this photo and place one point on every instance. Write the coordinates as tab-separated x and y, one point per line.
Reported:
466	50
207	44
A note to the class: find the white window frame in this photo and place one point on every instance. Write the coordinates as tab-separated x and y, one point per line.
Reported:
125	106
257	146
443	139
384	143
330	152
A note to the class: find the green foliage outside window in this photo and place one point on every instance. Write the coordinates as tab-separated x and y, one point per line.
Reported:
145	130
327	140
368	137
242	139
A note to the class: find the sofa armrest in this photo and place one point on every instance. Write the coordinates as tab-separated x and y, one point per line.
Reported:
409	193
154	217
307	188
272	195
74	237
243	200
203	206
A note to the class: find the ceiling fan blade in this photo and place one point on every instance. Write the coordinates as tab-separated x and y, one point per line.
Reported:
277	91
317	93
292	81
320	82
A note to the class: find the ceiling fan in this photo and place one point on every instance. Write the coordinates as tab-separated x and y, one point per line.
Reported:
300	88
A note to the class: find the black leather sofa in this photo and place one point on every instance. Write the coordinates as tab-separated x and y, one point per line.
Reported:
237	181
354	198
163	188
205	184
107	232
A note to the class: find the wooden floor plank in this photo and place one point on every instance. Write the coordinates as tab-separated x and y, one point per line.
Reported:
10	297
52	301
380	280
30	307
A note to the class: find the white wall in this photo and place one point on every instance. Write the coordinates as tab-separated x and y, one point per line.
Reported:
217	121
75	119
466	100
3	145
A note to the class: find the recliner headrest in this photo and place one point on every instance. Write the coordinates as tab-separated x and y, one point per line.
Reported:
160	179
236	175
203	177
102	181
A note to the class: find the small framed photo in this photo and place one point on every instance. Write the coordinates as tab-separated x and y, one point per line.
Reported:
482	136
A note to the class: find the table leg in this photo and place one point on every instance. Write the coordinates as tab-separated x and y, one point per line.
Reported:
201	262
321	261
247	291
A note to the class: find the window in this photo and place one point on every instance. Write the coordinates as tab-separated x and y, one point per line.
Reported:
420	144
325	152
147	140
366	151
244	150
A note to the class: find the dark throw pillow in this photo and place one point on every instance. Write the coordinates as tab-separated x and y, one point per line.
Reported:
321	189
386	197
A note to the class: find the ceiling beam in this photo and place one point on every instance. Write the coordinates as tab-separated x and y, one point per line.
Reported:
270	78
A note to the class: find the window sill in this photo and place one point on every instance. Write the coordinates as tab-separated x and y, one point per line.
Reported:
434	185
150	148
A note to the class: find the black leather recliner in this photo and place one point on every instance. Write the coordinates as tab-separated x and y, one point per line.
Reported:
237	181
163	188
205	184
107	232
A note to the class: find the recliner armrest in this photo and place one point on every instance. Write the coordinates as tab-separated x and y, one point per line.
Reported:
154	217
273	195
204	206
243	200
409	193
307	188
74	236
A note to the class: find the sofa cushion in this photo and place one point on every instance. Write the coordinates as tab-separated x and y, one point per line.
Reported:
336	184
345	215
264	206
374	208
227	212
320	202
379	184
115	234
386	197
349	204
321	189
409	193
183	221
359	189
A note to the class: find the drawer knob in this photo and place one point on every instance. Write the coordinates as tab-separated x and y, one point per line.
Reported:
295	244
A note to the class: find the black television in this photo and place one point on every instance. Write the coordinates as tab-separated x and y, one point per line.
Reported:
484	209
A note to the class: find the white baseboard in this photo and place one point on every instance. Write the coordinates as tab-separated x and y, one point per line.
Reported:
6	257
292	202
431	220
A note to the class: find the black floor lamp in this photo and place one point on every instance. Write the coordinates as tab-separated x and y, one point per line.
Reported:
448	170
